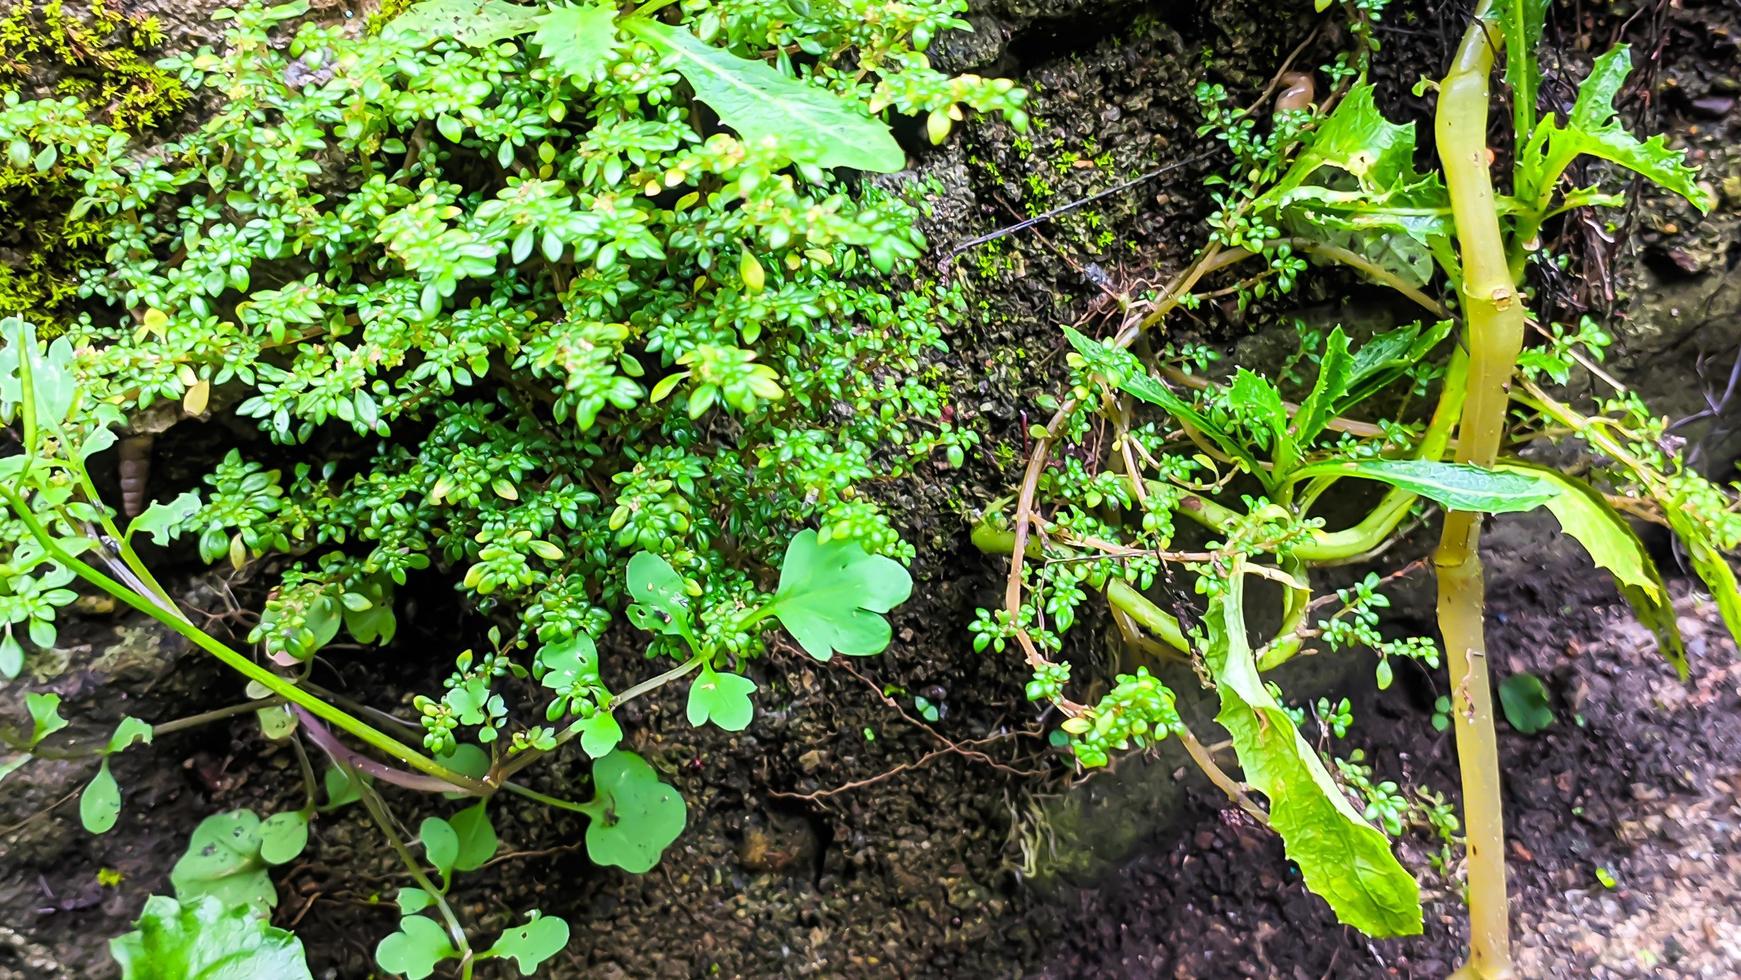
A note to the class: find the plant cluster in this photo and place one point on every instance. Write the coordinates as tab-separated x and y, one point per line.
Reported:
1186	497
569	306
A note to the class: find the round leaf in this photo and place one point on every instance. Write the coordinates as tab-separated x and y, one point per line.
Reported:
283	836
635	816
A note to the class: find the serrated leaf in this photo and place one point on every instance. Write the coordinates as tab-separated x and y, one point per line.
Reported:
204	940
634	816
283	836
1585	515
723	699
1342	858
578	40
1455	486
163	519
413	951
1335	374
1524	700
531	944
1123	370
223	861
440	844
832	596
1260	403
803	121
100	803
477	838
1593	129
474	22
1382	360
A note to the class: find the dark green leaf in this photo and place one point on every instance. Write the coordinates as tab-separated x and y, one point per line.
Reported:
1524	700
1335	374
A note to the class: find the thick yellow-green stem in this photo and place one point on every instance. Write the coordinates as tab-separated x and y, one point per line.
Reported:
1495	320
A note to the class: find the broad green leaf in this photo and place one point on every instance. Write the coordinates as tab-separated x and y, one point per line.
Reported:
531	944
99	440
413	951
1261	404
100	803
723	699
1343	859
51	373
578	40
1524	700
440	844
474	22
129	732
599	734
1585	515
1123	371
204	940
1593	129
1335	374
1710	565
45	717
477	838
161	520
1456	486
283	836
659	594
634	815
832	596
804	121
223	861
572	660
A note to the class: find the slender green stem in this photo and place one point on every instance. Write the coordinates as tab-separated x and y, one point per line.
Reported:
378	811
530	756
239	663
1495	312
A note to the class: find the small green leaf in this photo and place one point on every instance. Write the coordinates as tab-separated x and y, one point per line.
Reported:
1524	700
131	731
440	844
477	838
659	594
413	900
204	940
1335	374
805	121
1708	561
1261	404
276	722
832	596
723	699
45	717
413	951
223	861
634	816
1456	486
100	803
599	734
161	520
569	661
340	788
578	40
531	944
283	836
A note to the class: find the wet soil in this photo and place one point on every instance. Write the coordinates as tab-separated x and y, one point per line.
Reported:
842	835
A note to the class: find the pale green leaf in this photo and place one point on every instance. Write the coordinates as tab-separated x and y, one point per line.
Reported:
832	596
634	815
531	944
283	836
129	732
474	22
578	40
803	121
1342	858
659	595
223	861
45	717
204	940
723	699
100	803
413	951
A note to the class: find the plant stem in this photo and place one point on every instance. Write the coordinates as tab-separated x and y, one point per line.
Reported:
378	810
1495	314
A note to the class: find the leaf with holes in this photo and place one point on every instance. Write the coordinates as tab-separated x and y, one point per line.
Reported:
223	861
531	944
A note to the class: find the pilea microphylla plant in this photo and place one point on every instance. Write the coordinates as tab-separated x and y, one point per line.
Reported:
575	308
1155	464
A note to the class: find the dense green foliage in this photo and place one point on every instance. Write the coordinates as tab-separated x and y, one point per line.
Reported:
513	315
1234	484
